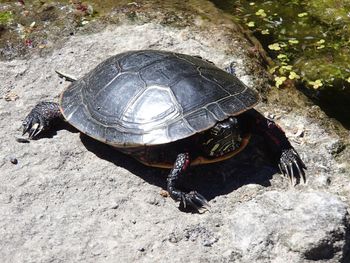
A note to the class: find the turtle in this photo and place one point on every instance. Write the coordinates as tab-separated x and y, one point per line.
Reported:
167	110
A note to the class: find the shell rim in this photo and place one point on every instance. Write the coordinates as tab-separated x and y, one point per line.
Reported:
133	145
139	145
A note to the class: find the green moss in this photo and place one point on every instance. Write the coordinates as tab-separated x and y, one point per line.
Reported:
311	35
330	11
5	17
327	65
309	41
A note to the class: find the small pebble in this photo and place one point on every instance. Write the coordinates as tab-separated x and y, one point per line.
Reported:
115	206
164	193
11	96
141	249
21	140
299	131
271	116
13	160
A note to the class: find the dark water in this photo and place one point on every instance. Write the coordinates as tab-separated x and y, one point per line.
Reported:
306	39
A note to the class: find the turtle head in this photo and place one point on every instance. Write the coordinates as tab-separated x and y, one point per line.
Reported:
223	138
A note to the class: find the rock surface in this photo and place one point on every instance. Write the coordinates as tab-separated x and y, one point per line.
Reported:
70	198
289	227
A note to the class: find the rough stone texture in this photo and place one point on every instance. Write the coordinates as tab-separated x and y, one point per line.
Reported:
71	199
289	227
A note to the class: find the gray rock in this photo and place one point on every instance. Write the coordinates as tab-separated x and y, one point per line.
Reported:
71	199
276	226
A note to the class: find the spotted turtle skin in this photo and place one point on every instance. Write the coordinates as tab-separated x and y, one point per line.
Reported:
153	97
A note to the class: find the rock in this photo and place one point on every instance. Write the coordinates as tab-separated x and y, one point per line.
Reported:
13	160
71	198
276	226
10	96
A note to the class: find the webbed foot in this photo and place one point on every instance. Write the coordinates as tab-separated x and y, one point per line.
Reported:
291	165
40	118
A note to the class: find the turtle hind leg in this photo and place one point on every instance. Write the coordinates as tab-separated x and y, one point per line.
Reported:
187	199
41	118
287	158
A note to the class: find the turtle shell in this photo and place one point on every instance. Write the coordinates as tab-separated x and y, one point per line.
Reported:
150	97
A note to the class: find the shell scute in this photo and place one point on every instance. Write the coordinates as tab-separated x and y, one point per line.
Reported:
152	97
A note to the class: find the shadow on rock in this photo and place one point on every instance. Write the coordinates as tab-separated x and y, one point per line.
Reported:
346	248
211	180
52	132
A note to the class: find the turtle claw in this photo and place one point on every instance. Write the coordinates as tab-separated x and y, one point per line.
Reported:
33	124
194	200
25	127
35	130
300	171
291	174
281	170
292	166
39	118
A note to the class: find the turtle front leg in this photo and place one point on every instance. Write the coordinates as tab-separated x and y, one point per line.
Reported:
41	118
175	177
289	161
